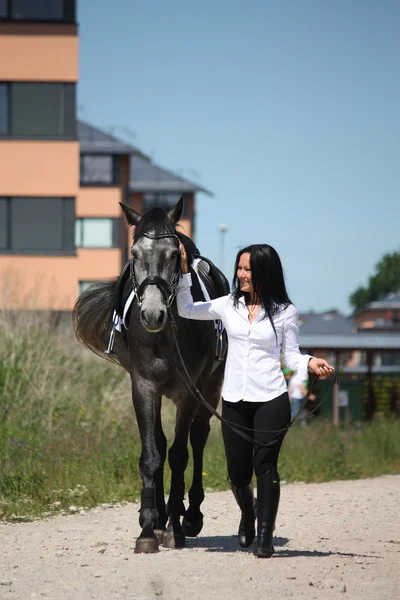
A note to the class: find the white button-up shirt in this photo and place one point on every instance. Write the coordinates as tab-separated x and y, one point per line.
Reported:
253	370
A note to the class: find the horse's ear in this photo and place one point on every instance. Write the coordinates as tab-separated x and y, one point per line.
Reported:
131	216
176	212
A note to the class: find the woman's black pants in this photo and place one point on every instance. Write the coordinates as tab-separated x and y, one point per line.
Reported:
243	457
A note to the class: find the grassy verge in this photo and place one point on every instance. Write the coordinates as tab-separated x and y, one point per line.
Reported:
68	437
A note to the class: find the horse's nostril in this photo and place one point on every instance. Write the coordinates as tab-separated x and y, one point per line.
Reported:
161	317
153	320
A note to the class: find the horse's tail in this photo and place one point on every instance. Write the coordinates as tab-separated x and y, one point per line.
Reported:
92	317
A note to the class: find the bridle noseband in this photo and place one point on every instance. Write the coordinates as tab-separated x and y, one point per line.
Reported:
168	290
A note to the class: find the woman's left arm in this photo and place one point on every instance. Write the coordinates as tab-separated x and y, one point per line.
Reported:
291	355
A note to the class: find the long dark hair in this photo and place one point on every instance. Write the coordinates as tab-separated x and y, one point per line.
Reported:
267	279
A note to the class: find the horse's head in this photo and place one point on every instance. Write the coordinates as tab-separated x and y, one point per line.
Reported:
156	262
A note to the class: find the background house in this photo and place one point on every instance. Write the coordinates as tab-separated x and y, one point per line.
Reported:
381	315
61	181
366	358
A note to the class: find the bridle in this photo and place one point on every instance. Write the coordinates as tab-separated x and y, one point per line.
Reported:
168	290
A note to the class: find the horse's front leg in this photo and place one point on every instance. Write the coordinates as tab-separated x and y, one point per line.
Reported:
160	499
178	457
147	405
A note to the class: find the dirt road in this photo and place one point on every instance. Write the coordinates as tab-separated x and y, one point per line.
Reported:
333	540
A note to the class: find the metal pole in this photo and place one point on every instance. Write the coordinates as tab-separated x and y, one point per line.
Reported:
222	230
335	397
371	400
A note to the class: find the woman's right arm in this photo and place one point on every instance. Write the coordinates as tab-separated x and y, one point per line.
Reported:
201	311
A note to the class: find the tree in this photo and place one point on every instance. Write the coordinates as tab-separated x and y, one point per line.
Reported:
385	281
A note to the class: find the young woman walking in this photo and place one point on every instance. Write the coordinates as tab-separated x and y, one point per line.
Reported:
261	324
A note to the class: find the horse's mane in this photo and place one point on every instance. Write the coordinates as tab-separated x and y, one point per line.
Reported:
157	221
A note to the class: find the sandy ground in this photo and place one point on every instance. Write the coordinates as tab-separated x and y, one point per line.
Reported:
333	540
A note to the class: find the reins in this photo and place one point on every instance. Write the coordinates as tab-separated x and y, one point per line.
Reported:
193	389
169	292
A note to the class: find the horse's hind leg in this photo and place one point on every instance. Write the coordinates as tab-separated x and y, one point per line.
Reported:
192	522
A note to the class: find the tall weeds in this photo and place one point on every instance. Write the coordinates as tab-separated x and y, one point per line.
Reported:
69	440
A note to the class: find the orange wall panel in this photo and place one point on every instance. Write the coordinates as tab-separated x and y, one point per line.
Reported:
39	168
39	58
38	282
51	282
99	202
95	264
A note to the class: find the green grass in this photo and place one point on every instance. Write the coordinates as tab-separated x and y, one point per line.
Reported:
68	435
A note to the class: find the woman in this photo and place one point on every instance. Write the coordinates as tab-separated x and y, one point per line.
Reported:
261	322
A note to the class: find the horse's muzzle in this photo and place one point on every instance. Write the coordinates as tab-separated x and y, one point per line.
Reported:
154	320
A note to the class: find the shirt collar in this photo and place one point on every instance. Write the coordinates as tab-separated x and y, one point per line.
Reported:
242	309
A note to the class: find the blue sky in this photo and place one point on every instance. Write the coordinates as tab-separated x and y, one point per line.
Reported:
287	111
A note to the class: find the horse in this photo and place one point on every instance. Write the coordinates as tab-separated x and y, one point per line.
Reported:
147	349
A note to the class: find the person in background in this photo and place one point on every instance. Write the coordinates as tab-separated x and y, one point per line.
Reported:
261	323
297	391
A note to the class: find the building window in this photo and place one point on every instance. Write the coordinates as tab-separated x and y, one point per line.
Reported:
37	225
389	359
38	10
37	110
3	109
165	200
99	169
83	285
3	8
4	238
97	232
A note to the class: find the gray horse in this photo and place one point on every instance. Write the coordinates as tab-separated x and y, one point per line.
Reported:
147	350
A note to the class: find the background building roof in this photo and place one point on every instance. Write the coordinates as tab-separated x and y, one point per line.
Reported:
95	141
331	322
354	341
148	177
391	301
145	176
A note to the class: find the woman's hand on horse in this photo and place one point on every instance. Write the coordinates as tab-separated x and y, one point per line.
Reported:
319	366
184	263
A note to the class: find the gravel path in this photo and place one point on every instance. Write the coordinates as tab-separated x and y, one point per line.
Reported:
333	540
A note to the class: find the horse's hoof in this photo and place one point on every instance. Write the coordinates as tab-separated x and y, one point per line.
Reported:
159	533
146	545
192	529
171	540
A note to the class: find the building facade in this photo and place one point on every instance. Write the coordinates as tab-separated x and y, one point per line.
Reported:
39	152
61	181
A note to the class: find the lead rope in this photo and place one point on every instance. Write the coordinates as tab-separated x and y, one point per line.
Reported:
202	401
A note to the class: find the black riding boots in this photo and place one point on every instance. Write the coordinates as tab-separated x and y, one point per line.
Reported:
245	499
268	492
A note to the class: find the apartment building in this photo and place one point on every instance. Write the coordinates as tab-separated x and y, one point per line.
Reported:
39	153
61	181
